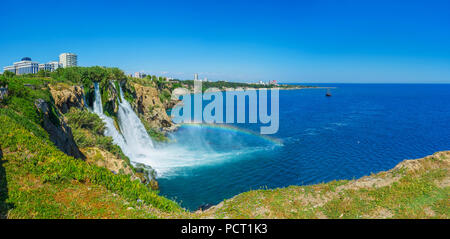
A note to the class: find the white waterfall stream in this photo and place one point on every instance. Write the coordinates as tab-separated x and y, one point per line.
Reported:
133	139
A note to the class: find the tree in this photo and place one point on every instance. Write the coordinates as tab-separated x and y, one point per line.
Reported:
43	73
8	74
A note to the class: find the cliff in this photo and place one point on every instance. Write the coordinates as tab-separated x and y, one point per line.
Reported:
59	132
147	104
37	180
66	96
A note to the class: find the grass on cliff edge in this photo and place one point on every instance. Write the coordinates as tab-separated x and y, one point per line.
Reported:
414	189
39	181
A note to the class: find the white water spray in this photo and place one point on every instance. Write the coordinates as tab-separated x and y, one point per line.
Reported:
132	128
109	123
138	146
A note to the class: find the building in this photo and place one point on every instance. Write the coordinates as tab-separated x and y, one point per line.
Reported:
139	75
10	68
55	65
273	82
68	60
51	66
196	77
24	66
45	67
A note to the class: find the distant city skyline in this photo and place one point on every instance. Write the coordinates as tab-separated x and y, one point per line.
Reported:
288	41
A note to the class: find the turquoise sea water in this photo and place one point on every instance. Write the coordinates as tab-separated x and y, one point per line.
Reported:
361	129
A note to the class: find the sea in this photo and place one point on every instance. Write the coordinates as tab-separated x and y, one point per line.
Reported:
361	129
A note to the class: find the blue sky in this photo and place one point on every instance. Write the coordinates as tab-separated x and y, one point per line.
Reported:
290	41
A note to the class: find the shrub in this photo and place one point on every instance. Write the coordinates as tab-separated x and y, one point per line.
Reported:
52	165
78	118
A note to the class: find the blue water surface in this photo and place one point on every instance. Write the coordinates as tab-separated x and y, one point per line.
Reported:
361	129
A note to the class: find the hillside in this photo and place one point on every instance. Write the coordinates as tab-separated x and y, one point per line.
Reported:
56	162
47	169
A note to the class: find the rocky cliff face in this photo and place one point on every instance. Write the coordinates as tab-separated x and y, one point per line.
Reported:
149	107
108	160
60	133
110	97
66	97
116	165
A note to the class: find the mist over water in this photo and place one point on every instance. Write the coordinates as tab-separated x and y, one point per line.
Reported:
189	146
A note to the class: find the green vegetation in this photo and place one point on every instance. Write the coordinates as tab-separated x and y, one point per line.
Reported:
415	189
88	128
40	181
158	136
86	76
129	93
41	159
37	180
165	96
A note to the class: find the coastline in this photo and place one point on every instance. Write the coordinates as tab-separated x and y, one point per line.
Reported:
213	89
320	200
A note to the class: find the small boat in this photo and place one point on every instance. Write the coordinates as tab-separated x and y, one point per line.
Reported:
328	93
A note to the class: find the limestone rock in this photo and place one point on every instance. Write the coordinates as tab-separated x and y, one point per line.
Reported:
148	105
66	96
60	133
103	158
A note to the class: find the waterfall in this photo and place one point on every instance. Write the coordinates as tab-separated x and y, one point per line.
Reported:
110	130
190	150
132	138
98	100
132	128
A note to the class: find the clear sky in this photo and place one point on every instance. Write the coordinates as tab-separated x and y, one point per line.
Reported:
237	40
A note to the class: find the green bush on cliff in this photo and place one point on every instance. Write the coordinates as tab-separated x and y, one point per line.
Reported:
88	131
164	96
44	160
78	118
156	135
22	98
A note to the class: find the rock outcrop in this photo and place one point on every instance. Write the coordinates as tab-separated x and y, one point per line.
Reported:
108	160
66	97
149	107
60	133
117	165
110	99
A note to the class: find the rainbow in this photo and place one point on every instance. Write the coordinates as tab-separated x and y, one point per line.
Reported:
234	129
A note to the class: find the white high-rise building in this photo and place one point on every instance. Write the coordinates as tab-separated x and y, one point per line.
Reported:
68	60
196	77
